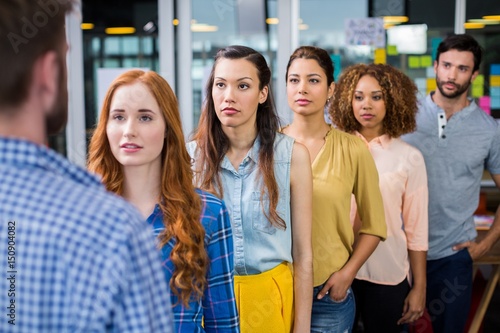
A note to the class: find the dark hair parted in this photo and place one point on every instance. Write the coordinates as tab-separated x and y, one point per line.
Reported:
398	90
315	53
461	42
28	29
180	205
213	143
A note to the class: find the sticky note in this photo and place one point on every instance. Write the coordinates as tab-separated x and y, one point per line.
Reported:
414	62
495	80
392	50
434	45
431	85
477	91
425	61
379	56
429	72
337	68
495	69
495	92
479	80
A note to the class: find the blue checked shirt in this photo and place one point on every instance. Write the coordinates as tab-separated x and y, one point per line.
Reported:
217	308
74	257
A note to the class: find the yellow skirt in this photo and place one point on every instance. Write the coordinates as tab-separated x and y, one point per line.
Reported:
265	301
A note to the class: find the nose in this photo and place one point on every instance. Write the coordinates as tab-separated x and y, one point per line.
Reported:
302	88
229	95
130	129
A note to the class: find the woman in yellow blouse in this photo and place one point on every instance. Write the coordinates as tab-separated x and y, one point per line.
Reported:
341	166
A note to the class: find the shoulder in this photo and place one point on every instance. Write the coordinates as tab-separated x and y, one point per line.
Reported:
214	214
346	142
191	147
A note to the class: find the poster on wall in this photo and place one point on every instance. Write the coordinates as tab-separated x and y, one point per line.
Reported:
365	31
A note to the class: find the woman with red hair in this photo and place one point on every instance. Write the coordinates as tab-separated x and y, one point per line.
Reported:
139	150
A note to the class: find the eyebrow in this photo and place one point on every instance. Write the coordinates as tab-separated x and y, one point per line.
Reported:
308	75
459	65
373	92
240	79
140	111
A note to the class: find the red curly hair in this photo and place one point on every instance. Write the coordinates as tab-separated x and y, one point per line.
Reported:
180	204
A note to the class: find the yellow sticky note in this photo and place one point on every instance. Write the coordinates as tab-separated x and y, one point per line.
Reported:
414	61
477	91
426	61
431	84
495	80
380	56
392	50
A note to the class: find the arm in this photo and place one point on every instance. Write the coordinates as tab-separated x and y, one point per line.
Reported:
416	225
219	303
477	250
144	300
414	305
372	229
301	211
340	281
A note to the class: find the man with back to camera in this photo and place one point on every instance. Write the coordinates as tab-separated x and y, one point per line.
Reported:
458	140
77	259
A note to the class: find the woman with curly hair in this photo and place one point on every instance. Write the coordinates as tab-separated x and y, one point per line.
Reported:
378	103
139	150
341	166
265	180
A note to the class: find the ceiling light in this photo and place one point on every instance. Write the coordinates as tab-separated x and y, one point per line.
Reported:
87	26
272	20
202	27
470	25
175	21
484	21
303	26
120	30
492	17
395	19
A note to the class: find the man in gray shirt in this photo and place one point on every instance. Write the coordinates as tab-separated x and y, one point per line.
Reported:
458	141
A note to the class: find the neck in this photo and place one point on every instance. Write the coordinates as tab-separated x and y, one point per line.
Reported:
369	133
240	139
310	126
141	187
450	105
25	122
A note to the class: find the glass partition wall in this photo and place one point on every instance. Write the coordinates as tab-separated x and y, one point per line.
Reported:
217	23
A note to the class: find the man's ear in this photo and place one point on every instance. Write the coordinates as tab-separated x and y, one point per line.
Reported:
45	79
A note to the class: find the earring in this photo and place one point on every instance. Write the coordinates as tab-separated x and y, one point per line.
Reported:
328	100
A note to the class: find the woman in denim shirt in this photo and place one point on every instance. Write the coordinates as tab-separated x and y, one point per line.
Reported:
265	180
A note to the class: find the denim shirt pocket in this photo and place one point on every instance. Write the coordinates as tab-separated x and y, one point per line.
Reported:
259	220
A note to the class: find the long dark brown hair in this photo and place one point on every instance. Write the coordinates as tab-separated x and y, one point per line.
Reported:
180	204
213	143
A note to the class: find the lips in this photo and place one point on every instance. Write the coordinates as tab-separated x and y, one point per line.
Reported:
130	147
229	111
303	102
367	116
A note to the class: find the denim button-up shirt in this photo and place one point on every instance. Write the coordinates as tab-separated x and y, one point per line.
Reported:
258	245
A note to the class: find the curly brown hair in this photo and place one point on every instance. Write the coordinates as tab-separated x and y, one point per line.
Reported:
399	93
180	204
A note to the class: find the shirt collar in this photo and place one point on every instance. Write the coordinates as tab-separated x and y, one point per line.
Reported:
384	140
460	114
19	152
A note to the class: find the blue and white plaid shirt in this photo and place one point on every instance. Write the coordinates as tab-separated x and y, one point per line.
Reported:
75	258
